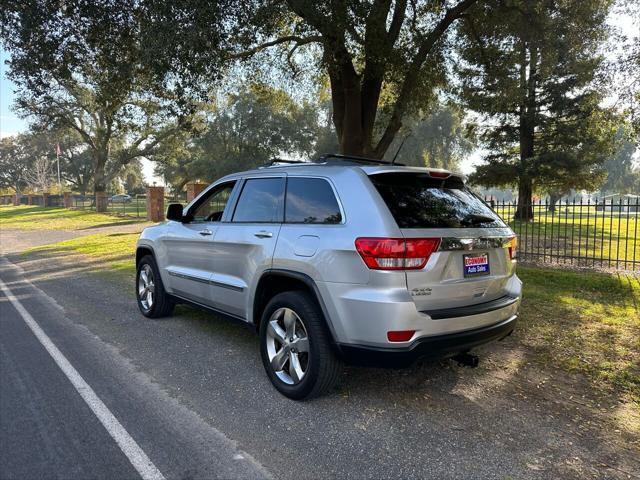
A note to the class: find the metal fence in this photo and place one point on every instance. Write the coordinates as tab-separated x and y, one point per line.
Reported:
135	206
585	233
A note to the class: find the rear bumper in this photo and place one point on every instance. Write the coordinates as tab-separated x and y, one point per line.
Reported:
362	315
439	346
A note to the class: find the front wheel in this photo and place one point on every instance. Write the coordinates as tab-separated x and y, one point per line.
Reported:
296	347
153	301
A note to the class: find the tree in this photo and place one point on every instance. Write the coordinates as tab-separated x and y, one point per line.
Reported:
83	66
76	161
41	161
243	130
13	165
528	67
441	140
132	178
383	58
622	173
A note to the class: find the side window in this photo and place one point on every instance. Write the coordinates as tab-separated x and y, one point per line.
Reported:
311	200
261	201
212	207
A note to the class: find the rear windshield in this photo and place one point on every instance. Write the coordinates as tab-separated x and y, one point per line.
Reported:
420	201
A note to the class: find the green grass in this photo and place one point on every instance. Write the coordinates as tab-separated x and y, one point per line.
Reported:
56	218
584	322
115	251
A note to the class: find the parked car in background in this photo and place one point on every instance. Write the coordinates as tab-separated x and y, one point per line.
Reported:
342	259
120	198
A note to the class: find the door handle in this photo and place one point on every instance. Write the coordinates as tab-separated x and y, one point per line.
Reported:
263	234
205	232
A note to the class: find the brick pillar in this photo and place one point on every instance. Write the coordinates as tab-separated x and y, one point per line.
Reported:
155	204
45	199
29	199
68	200
16	200
194	189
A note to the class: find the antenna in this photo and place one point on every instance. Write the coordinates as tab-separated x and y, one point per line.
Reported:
393	162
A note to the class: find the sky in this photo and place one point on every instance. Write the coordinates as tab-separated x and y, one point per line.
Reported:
10	124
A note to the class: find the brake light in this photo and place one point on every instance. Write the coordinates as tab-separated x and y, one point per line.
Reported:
512	245
400	335
396	253
439	174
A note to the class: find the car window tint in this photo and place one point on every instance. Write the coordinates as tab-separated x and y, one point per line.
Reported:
212	208
311	200
261	201
420	201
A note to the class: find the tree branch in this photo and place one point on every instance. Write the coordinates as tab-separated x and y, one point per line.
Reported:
287	39
413	72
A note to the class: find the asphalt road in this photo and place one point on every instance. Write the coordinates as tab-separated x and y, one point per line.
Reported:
191	392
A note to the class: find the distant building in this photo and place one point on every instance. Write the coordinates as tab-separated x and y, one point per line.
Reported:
619	202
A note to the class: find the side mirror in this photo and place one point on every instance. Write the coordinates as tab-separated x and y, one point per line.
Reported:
174	212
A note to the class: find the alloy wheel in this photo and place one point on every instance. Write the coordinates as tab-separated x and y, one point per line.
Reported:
146	287
287	346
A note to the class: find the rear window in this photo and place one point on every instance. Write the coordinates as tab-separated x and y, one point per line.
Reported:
311	200
420	201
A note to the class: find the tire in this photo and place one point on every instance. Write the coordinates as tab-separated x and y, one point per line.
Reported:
159	303
310	352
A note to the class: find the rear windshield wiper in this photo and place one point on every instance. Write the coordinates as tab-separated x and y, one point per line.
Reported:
476	219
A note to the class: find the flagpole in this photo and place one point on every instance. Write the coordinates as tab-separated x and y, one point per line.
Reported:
58	161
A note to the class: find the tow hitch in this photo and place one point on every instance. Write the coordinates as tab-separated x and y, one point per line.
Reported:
466	359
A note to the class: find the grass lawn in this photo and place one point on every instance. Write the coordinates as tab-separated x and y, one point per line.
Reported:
581	322
584	322
56	218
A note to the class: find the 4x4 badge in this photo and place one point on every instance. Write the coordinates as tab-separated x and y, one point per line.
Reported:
417	292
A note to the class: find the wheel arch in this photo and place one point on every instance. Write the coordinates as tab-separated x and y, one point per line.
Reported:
143	250
275	281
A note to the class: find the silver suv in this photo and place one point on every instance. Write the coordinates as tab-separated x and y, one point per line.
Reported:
341	259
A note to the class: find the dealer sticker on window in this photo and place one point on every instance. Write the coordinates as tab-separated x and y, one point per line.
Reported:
476	264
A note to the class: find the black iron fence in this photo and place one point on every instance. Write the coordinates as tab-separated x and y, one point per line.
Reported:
594	233
130	205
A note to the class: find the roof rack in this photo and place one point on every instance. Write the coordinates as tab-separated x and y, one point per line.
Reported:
356	159
275	161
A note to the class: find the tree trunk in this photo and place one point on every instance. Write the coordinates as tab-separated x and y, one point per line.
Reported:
524	210
352	139
553	200
100	182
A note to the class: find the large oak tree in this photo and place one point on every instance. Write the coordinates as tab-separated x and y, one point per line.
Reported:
383	58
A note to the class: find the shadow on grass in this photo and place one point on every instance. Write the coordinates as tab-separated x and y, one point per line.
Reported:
32	211
584	322
124	221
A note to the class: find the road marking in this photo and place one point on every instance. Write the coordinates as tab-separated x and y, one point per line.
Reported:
135	454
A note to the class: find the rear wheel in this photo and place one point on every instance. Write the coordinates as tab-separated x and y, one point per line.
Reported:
153	301
296	347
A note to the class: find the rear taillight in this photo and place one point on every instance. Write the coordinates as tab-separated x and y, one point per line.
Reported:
512	245
396	253
400	335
